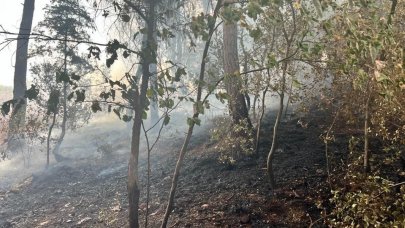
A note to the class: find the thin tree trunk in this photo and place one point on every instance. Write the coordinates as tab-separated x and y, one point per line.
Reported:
55	151
138	76
289	40
139	106
154	109
17	120
254	105
274	143
245	69
147	183
183	150
176	174
133	179
288	100
259	123
366	163
48	140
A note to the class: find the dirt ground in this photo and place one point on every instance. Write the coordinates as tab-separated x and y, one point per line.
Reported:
90	192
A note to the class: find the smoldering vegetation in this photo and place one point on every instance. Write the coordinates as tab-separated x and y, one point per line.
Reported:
104	137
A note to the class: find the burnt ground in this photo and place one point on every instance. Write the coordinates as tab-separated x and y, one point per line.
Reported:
93	193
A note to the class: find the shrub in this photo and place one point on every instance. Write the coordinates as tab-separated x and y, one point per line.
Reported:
233	140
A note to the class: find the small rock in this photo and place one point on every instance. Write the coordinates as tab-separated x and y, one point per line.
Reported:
116	208
244	219
142	207
69	221
205	206
319	171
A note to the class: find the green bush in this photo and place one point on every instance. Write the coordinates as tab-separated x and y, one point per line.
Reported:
233	140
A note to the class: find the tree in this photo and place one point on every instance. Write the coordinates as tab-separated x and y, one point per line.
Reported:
66	20
368	69
139	104
200	101
17	119
233	81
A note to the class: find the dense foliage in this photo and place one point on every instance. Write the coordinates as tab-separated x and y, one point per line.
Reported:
343	59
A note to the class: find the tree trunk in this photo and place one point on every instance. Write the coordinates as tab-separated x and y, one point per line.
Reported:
133	179
288	100
48	140
154	109
233	80
183	150
55	151
289	41
259	121
148	54
366	162
274	142
17	120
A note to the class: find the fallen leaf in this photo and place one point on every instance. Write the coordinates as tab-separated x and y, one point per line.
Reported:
44	223
116	208
84	220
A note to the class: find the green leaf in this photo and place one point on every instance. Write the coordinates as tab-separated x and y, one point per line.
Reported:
198	107
231	14
296	83
144	115
197	121
149	93
179	73
253	9
95	106
70	96
207	104
62	77
166	120
126	118
161	91
170	103
53	102
382	77
32	93
255	33
125	17
271	60
304	47
117	112
5	107
221	96
80	95
75	77
190	121
125	54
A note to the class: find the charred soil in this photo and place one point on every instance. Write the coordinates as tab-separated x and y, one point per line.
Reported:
93	193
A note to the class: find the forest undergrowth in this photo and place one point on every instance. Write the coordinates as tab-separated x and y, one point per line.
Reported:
93	193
